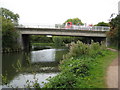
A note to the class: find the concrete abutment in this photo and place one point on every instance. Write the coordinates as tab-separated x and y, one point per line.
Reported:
24	42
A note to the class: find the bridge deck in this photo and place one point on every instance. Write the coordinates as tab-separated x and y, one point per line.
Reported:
62	32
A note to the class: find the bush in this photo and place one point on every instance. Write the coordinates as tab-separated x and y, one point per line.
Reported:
63	80
58	41
77	66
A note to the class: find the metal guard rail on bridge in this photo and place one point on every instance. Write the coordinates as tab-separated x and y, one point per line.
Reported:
74	27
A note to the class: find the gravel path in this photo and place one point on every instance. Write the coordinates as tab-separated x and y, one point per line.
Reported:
112	74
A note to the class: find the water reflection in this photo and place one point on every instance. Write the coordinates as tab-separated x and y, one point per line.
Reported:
47	55
43	62
8	61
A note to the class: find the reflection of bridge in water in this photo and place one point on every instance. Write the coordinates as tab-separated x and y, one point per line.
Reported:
81	31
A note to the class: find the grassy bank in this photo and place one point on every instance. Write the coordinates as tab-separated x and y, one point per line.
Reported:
113	47
42	44
11	50
53	45
83	67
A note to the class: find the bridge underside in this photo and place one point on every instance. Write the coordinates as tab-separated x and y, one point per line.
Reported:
25	40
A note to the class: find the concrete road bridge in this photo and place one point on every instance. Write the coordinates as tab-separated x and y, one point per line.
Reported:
94	32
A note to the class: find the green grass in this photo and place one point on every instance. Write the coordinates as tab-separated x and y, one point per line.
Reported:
98	71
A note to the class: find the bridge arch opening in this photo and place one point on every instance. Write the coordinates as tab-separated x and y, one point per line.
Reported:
26	40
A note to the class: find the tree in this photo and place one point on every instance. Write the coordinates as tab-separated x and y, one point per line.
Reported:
75	21
9	34
114	34
58	41
9	15
102	24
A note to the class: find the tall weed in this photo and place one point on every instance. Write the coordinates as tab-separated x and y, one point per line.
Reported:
80	49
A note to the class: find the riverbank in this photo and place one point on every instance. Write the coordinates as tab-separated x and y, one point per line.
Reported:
10	50
49	45
83	69
42	44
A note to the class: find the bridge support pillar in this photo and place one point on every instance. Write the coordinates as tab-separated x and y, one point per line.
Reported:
24	42
107	42
20	42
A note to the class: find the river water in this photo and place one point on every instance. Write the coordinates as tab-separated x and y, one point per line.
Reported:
25	68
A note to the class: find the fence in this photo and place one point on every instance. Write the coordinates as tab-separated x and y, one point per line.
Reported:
74	27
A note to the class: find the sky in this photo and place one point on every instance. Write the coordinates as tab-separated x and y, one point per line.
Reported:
51	12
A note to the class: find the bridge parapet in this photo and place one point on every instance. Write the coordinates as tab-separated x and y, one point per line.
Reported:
74	27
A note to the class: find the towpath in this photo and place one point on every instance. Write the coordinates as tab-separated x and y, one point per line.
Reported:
112	74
